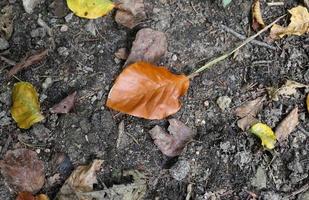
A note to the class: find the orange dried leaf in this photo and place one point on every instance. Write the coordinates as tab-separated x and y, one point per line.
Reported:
257	19
29	196
147	91
26	107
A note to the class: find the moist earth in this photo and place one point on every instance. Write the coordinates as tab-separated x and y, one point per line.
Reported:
222	162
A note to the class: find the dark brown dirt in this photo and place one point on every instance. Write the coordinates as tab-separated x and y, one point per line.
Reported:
223	160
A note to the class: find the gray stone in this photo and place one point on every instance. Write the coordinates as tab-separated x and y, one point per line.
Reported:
29	5
260	179
47	83
39	32
180	170
224	102
90	27
41	132
4	44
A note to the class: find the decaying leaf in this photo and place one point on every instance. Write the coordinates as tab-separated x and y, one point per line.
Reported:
80	181
27	61
307	101
121	54
90	9
289	88
132	191
149	46
59	8
22	170
299	24
130	12
287	125
26	106
265	133
172	144
66	105
257	19
248	112
30	196
147	91
6	22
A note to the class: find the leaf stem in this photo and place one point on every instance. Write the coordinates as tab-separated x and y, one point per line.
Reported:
224	56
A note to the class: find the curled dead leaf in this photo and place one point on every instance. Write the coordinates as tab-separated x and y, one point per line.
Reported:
26	106
286	126
22	170
130	12
30	196
66	105
289	88
172	144
27	61
80	181
149	46
147	91
248	112
299	24
257	19
265	133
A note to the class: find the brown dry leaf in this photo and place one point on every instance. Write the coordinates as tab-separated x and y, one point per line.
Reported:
22	170
289	88
121	54
130	12
307	101
286	126
149	46
299	24
257	19
30	196
27	62
172	144
6	22
80	181
147	91
248	112
66	105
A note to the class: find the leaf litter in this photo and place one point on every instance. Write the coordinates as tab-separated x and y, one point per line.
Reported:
257	19
130	12
299	24
23	171
286	126
30	196
6	22
26	106
172	144
248	112
79	186
265	133
149	46
288	89
65	105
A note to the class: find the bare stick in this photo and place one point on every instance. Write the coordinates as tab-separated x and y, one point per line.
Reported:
224	56
242	37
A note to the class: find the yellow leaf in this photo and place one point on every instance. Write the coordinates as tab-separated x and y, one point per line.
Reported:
26	108
299	24
265	133
90	9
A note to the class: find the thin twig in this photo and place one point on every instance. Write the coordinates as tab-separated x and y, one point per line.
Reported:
300	190
224	56
8	61
242	37
275	3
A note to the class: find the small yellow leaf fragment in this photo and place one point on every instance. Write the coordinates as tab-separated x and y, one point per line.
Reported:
299	24
26	107
90	9
265	133
257	19
307	101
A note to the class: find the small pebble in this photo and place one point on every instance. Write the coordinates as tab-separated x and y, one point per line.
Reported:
68	17
174	57
47	83
63	51
224	102
64	28
3	44
206	104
